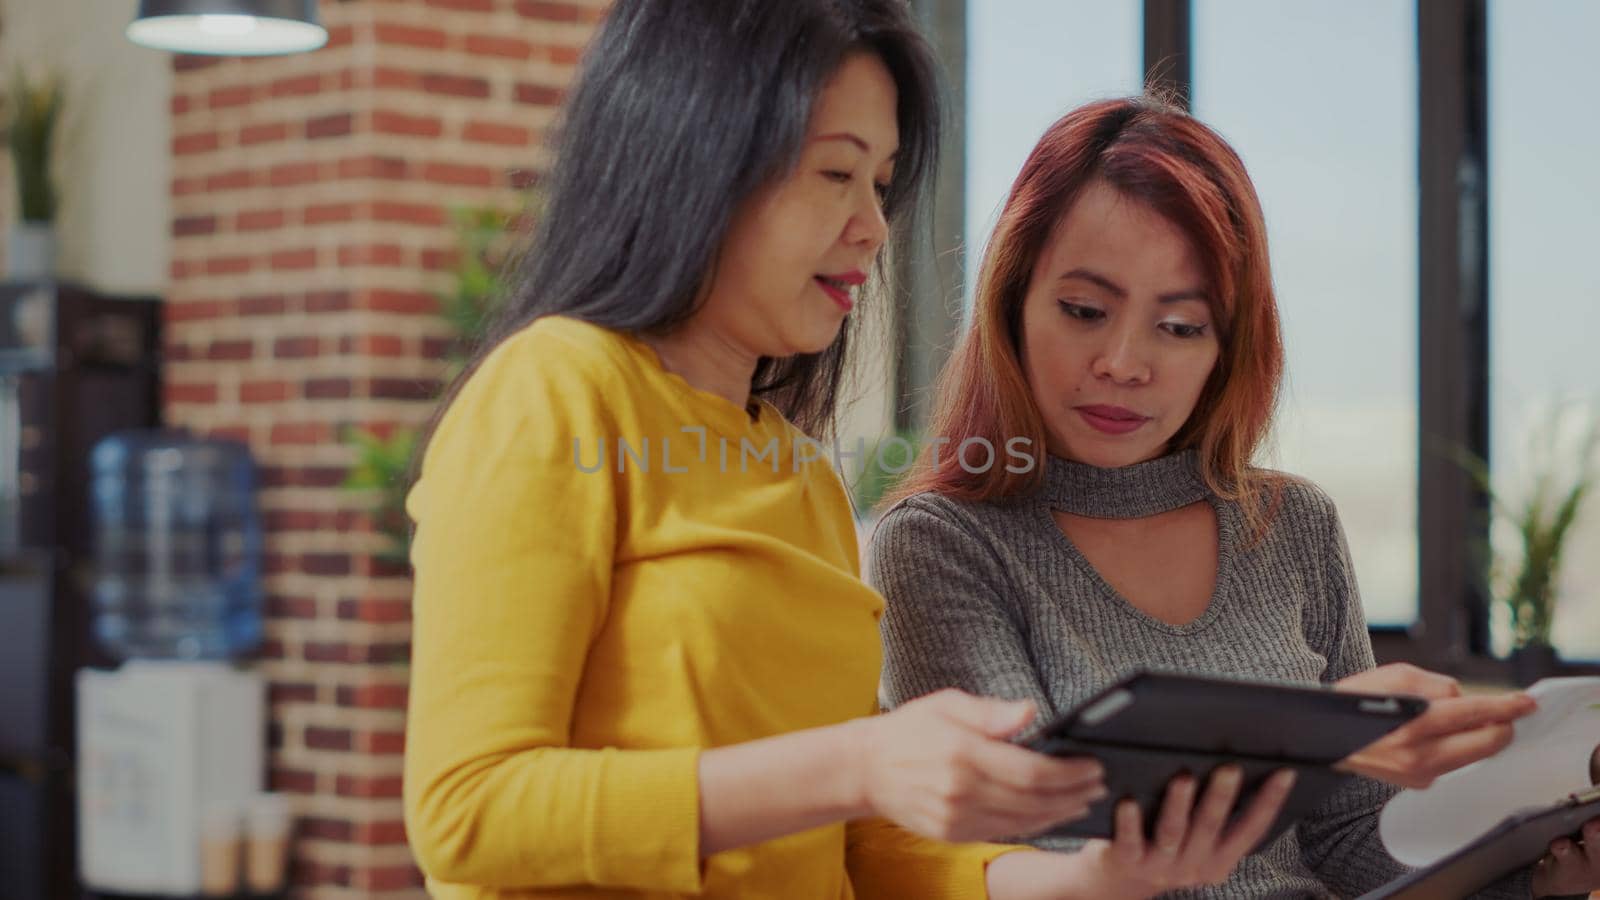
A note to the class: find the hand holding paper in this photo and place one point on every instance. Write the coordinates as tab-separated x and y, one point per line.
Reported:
1454	732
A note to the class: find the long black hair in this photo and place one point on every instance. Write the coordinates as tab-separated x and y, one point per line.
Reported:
681	109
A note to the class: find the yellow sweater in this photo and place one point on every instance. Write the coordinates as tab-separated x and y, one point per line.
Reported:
583	629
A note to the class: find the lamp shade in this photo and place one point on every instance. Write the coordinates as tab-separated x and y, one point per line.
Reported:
228	27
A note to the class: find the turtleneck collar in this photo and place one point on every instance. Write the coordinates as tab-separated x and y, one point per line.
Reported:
1130	492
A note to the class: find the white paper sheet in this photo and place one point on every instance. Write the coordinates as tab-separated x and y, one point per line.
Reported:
1547	760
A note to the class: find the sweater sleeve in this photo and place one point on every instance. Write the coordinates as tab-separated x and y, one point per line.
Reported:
512	558
887	862
1340	840
946	622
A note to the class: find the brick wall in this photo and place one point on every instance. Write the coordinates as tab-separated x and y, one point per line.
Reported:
310	198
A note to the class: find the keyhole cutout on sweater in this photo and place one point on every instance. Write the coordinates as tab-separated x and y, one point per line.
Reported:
1164	565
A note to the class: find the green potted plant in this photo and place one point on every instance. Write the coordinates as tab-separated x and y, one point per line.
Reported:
1524	577
33	109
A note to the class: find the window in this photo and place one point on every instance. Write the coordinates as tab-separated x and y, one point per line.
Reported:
1332	148
1029	62
1544	287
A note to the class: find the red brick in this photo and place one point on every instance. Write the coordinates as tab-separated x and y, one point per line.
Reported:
522	179
235	178
436	348
372	167
329	739
229	265
272	649
472	5
185	186
373	696
194	310
497	133
188	62
295	347
293	781
560	54
300	433
495	45
409	213
336	125
384	743
340	36
384	345
291	608
263	305
408	36
386	878
291	692
385	77
263	391
328	389
318	828
289	174
259	220
263	133
404	388
386	121
292	520
455	85
327	651
380	833
368	786
230	350
373	609
321	476
323	213
294	260
185	226
400	301
237	95
200	142
297	85
371	255
327	301
324	563
558	12
179	104
539	94
306	873
457	173
181	392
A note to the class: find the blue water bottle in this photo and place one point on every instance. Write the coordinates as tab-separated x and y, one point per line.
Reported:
177	546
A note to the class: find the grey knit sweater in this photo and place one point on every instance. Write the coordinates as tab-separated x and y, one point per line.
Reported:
994	599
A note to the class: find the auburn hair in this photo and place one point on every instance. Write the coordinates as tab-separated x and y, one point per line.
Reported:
1154	153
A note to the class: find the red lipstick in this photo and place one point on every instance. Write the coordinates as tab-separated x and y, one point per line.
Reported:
1111	419
837	287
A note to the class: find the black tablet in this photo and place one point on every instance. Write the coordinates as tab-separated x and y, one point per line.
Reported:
1520	840
1152	726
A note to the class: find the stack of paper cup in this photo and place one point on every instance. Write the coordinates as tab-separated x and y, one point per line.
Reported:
266	828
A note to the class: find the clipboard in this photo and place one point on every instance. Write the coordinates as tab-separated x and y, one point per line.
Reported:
1519	840
1152	726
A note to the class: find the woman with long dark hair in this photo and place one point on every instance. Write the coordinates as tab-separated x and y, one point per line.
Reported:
1126	333
643	662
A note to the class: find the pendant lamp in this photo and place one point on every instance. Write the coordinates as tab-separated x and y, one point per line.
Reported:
228	27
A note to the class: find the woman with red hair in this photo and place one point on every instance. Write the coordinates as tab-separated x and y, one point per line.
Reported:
1087	506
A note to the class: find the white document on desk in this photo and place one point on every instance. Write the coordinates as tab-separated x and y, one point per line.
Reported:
1548	759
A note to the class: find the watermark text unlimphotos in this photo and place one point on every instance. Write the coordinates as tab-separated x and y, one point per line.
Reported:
675	454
